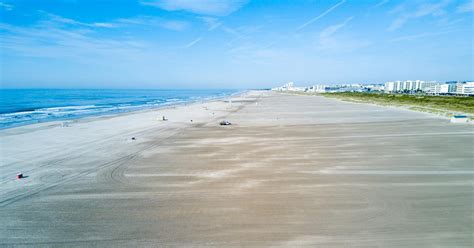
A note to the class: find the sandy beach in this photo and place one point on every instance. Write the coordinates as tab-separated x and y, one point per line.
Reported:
290	171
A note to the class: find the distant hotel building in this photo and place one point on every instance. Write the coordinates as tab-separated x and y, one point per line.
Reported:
318	88
408	85
430	87
465	89
290	87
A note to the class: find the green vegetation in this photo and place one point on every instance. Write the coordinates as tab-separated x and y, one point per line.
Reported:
447	105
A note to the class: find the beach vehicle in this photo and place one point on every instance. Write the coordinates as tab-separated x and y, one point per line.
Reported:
459	119
225	123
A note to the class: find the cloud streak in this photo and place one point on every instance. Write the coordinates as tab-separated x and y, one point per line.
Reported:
326	42
65	39
383	2
211	22
427	9
302	26
329	31
192	43
466	7
7	7
174	25
419	36
205	7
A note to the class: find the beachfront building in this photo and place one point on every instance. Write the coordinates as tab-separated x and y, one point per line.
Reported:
466	88
410	86
443	89
374	87
403	86
451	88
390	87
430	87
319	88
290	87
300	89
433	89
286	87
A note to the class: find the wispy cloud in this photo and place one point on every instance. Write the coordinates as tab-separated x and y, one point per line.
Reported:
241	33
304	25
6	7
327	43
238	34
397	23
321	15
175	25
383	2
466	7
104	25
425	9
205	7
419	36
65	39
448	22
211	22
73	46
192	43
230	30
337	46
375	6
52	19
334	28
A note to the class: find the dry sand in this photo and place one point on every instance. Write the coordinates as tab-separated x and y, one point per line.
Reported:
291	171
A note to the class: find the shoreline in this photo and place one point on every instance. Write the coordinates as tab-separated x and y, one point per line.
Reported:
80	119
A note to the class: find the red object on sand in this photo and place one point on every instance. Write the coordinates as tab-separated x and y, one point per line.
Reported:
19	176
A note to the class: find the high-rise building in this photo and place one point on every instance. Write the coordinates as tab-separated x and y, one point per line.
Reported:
466	88
408	85
390	87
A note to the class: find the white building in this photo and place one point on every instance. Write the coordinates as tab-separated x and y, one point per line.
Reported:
390	87
428	87
432	89
411	85
319	88
465	88
286	87
443	89
290	87
300	89
407	85
374	87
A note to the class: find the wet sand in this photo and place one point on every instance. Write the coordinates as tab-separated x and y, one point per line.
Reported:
291	171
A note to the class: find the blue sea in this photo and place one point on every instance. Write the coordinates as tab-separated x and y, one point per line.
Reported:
27	106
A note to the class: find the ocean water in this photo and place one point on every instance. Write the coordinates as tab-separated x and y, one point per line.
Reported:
27	106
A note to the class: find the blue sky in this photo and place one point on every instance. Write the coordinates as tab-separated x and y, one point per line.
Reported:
232	44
